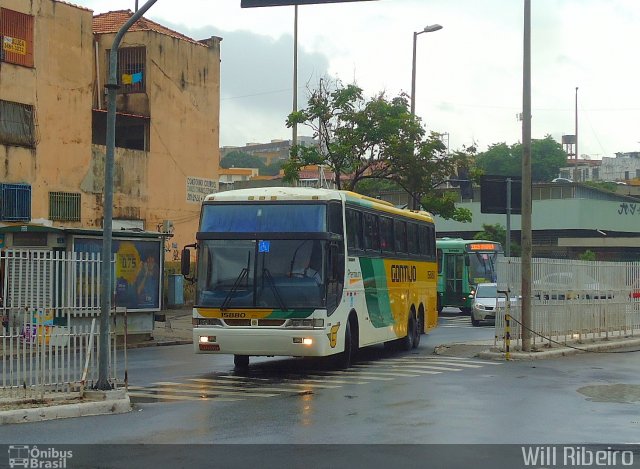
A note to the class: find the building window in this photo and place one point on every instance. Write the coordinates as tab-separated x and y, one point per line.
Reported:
131	69
64	206
16	30
15	202
595	174
17	124
132	132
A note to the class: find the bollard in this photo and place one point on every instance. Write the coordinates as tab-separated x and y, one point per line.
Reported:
507	323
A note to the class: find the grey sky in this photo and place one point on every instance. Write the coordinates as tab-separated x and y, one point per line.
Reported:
469	74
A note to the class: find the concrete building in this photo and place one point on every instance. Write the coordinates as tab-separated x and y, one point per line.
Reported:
275	150
53	120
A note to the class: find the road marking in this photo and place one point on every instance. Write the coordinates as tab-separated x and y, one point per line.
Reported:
170	397
261	388
181	391
429	367
382	373
354	374
298	380
289	381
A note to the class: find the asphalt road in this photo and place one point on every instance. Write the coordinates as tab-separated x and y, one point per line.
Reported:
389	397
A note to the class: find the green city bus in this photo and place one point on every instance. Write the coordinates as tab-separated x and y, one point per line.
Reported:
462	265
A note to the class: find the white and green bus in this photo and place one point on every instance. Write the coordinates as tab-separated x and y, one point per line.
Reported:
309	273
462	265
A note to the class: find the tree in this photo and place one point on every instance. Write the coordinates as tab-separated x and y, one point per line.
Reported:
547	157
498	234
588	255
376	139
240	159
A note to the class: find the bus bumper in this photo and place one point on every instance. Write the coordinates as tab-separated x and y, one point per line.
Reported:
292	343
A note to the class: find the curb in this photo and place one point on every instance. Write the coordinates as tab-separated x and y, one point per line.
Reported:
164	343
118	403
561	352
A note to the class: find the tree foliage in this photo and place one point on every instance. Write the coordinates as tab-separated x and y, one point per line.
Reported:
377	138
240	159
547	157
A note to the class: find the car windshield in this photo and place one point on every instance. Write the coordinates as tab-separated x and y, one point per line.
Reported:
278	274
487	291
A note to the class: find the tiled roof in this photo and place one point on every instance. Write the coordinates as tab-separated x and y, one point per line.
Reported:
112	21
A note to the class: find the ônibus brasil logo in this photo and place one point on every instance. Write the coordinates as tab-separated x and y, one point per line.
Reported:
34	457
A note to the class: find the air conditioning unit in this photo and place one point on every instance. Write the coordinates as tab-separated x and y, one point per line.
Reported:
167	226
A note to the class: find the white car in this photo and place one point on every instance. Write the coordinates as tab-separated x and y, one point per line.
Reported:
483	306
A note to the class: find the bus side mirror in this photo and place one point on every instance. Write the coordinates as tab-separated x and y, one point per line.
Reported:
185	261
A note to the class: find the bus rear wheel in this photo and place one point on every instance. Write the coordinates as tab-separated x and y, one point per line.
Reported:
241	362
407	342
419	331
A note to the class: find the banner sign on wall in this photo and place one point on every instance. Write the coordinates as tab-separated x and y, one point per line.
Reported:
199	188
137	270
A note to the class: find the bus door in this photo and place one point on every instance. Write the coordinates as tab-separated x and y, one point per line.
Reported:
453	275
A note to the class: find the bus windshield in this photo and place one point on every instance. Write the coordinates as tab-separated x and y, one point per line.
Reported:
276	274
482	267
265	218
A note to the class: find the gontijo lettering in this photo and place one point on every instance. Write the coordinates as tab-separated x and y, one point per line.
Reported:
403	273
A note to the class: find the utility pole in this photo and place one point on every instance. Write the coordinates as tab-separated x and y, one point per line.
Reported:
107	230
294	127
575	163
526	183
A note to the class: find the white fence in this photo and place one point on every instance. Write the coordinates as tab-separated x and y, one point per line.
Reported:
572	301
50	335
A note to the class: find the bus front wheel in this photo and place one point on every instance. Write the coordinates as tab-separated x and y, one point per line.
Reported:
241	362
343	360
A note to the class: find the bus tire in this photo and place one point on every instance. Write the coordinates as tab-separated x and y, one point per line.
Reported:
406	343
345	359
241	362
465	311
439	303
419	331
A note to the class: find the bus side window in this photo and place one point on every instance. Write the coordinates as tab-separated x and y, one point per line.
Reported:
354	230
412	238
423	240
386	234
334	215
371	233
400	235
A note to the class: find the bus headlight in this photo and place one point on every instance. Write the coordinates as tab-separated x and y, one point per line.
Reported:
306	323
204	339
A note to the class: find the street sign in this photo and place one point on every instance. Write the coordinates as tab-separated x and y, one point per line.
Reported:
276	3
493	194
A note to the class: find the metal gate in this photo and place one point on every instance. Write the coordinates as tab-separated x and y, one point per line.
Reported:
50	308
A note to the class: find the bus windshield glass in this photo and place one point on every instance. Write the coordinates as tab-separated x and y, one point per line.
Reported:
482	267
264	218
275	274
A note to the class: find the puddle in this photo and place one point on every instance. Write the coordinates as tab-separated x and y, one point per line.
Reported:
621	393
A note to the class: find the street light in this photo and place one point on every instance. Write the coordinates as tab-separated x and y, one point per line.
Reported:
427	29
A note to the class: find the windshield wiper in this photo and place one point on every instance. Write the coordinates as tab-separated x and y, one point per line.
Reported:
241	276
266	274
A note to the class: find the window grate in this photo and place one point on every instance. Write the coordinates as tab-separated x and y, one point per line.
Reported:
16	30
131	69
17	124
15	202
64	206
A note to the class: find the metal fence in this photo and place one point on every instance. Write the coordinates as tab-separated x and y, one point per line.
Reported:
571	301
50	332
